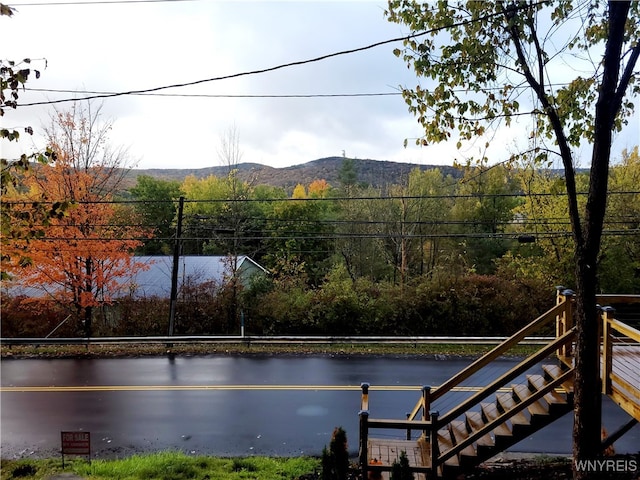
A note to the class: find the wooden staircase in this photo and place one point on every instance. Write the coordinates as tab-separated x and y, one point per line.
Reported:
528	397
512	416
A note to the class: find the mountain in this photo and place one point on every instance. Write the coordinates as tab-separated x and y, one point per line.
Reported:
377	173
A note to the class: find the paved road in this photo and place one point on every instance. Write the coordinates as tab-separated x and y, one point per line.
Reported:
226	405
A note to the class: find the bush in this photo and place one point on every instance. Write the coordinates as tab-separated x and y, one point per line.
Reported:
25	470
482	305
34	317
134	316
335	461
400	470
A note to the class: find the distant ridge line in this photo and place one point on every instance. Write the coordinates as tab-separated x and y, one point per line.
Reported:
374	173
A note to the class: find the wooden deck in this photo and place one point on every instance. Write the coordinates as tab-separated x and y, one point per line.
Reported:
625	378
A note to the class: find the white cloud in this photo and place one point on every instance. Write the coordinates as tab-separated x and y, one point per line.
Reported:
132	46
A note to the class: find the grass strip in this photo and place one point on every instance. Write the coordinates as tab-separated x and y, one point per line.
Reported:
168	465
108	350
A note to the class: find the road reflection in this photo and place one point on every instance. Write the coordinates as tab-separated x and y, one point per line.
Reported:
228	405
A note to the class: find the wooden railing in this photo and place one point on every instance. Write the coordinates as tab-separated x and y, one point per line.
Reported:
430	421
616	335
620	379
476	435
561	313
564	323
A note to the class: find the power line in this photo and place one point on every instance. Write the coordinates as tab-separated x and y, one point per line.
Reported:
98	2
206	95
267	95
479	196
276	225
353	236
281	66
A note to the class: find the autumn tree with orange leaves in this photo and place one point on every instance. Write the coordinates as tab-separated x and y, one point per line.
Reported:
81	254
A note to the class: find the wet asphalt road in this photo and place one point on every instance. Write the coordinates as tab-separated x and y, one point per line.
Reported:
228	405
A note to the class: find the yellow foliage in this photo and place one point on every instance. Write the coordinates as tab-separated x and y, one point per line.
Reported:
299	192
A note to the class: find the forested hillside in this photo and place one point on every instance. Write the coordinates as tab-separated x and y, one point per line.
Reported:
375	173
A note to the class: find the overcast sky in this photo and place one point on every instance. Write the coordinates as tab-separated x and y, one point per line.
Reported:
134	46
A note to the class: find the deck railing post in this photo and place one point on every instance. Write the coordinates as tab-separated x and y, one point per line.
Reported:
364	442
426	401
364	430
564	321
560	318
606	316
569	294
364	402
433	441
408	428
426	404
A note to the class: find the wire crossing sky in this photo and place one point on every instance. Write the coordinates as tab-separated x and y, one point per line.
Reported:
299	80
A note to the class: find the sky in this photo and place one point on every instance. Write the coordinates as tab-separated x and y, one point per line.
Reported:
133	45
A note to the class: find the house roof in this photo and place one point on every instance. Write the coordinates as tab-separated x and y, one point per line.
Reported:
154	279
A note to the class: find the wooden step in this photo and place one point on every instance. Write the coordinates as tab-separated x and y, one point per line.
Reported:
446	443
474	423
506	402
555	371
489	413
458	431
554	399
536	409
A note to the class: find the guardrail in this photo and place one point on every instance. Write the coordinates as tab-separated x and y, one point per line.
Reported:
274	340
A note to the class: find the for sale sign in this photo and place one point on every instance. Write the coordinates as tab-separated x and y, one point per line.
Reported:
76	443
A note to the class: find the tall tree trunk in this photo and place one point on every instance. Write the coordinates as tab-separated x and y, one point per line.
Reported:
588	397
88	286
88	316
587	412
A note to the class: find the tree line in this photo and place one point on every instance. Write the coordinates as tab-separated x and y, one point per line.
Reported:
478	254
493	220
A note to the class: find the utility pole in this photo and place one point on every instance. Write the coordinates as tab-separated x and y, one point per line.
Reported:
174	271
